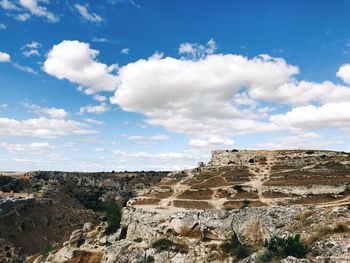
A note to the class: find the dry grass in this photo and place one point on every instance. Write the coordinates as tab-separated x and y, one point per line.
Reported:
217	181
304	215
325	174
201	194
161	194
342	227
202	205
240	174
276	195
146	201
233	204
315	199
222	193
246	195
256	204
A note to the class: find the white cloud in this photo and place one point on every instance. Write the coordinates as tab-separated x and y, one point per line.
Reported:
35	147
344	73
2	26
42	127
329	115
159	161
195	97
93	121
302	92
5	4
304	140
196	50
4	106
22	17
76	62
99	98
35	9
211	141
101	39
31	49
125	51
32	45
97	109
83	11
144	138
99	149
30	53
50	112
4	57
24	68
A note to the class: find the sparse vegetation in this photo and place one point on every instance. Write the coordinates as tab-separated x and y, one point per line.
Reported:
341	227
165	244
150	259
162	244
280	247
47	249
245	204
304	217
235	248
113	217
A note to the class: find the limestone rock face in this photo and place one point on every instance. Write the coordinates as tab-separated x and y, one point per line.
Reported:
253	232
291	259
76	238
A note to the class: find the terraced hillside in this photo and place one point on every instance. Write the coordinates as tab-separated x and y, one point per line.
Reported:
244	207
235	179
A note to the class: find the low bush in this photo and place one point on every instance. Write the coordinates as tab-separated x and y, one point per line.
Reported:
162	244
165	244
342	227
113	217
149	259
47	249
320	233
279	247
235	248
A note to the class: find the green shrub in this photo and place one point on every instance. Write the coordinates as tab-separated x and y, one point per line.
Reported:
235	248
279	247
113	217
46	250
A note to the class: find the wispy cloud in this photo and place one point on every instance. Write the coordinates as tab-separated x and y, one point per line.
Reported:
125	51
91	17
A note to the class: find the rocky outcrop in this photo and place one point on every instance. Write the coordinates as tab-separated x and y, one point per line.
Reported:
199	236
223	212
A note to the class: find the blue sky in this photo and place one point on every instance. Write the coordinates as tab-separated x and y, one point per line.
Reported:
151	85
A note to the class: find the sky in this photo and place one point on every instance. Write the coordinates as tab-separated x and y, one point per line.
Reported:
157	85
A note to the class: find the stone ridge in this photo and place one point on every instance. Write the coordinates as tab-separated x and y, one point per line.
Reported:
254	179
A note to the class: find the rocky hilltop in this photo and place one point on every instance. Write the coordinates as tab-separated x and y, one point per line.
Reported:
244	206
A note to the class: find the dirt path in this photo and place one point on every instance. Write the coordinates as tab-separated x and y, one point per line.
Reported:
262	174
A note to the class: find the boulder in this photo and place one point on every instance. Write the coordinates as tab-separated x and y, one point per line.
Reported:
76	238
